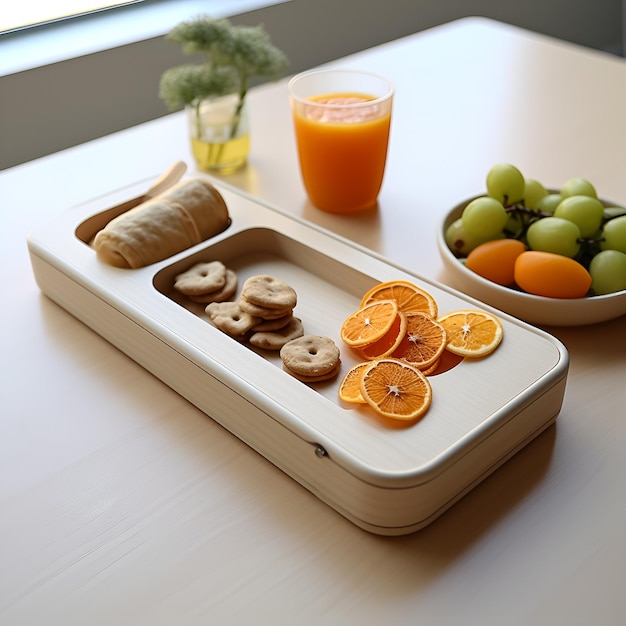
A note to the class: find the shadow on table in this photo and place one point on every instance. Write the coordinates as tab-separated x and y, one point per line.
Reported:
409	563
488	503
363	227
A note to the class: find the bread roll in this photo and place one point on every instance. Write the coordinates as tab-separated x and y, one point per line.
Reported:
181	217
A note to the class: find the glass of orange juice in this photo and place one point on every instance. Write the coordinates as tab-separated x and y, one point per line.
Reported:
341	119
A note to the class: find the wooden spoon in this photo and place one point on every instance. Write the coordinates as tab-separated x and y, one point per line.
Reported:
170	177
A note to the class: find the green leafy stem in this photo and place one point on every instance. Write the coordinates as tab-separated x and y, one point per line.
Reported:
232	56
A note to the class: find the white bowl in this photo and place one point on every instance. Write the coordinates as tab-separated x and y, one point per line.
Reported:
534	309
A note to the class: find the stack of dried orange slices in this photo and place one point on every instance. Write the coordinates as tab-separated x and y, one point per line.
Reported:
399	334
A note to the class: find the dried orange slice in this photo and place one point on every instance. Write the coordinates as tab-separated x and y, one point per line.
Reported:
369	323
387	343
396	389
472	333
424	341
350	387
431	369
410	297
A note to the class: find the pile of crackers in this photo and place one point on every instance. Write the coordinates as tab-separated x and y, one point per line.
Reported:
262	316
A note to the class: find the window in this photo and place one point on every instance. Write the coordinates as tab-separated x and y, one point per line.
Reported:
26	13
94	30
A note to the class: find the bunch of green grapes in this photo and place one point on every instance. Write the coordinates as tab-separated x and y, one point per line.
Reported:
572	223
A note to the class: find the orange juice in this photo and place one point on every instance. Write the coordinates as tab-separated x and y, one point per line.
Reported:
342	148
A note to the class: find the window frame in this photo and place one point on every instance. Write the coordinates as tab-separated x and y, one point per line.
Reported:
42	17
55	42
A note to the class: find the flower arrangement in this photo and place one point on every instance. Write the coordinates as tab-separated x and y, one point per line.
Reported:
233	55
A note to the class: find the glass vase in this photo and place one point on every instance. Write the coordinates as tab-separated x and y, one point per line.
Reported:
219	133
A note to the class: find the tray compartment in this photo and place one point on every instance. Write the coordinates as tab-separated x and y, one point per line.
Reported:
328	290
315	276
89	228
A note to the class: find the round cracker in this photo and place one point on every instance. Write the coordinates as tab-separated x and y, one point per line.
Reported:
201	278
227	316
276	339
274	324
269	292
310	355
263	312
314	379
229	288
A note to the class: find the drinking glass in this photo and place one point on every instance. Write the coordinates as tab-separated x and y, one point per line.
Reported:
341	120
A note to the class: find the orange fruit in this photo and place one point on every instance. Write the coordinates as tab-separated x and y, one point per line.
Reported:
424	341
350	387
410	297
395	389
387	343
495	260
551	275
427	371
472	333
369	323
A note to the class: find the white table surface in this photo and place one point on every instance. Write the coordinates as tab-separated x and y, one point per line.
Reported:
120	503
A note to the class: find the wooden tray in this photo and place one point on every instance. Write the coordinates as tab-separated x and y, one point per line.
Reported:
389	481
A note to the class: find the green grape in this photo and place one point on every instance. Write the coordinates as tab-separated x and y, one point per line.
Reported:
548	203
586	212
554	234
484	217
505	183
608	272
534	191
460	241
614	234
578	187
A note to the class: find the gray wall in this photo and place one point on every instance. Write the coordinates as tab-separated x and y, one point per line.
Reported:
49	108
